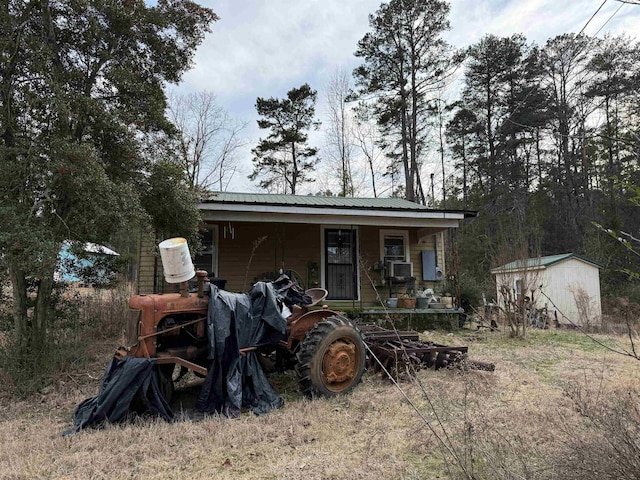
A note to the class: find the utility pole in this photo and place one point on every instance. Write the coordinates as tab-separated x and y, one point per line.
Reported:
433	197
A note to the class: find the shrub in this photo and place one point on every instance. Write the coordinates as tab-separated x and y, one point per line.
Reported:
77	321
607	446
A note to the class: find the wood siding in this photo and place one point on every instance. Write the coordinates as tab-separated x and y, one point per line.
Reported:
258	248
147	263
248	250
566	282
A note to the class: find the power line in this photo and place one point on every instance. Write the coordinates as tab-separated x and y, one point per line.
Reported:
517	107
593	37
576	53
592	17
591	75
589	40
609	19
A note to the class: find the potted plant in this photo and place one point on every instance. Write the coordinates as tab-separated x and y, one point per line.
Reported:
407	301
423	297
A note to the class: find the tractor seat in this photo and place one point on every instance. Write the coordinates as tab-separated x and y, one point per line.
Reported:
317	295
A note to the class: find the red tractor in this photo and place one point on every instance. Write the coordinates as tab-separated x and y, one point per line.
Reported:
325	348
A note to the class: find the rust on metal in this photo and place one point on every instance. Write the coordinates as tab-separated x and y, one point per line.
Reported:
243	351
152	310
121	352
339	362
396	350
298	327
164	331
172	329
202	277
185	363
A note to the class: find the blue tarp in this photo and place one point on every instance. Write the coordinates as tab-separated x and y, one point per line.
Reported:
237	321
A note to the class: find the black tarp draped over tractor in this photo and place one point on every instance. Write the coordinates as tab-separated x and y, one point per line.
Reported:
128	385
237	322
235	380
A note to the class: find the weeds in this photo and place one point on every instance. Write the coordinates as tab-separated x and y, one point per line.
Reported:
607	443
79	320
255	245
585	307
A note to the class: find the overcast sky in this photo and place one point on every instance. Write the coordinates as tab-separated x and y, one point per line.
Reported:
265	48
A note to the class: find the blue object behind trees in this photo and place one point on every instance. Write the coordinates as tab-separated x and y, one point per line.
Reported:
90	263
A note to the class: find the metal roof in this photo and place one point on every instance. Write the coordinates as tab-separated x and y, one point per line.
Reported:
323	202
541	262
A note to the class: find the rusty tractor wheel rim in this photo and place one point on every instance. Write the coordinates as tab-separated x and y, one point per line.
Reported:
340	365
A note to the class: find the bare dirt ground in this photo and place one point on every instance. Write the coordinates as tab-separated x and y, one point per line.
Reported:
511	423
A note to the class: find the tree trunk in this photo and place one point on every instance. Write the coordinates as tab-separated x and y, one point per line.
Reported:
408	173
464	173
415	172
43	306
294	175
31	331
19	293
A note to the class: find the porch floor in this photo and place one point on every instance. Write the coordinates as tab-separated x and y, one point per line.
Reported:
412	318
405	311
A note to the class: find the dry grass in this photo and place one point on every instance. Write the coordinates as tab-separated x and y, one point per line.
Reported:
508	424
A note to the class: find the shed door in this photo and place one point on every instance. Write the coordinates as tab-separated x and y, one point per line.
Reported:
341	264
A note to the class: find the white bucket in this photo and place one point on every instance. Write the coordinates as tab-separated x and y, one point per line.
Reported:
176	260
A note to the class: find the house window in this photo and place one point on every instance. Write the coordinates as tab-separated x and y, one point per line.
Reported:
207	259
394	245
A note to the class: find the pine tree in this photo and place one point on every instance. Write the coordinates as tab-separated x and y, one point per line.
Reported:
284	155
405	61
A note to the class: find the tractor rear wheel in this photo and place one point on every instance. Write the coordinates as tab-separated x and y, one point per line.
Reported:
331	359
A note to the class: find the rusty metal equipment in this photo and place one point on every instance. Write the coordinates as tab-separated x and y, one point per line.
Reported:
327	350
399	351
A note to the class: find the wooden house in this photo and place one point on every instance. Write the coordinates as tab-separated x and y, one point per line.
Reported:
568	285
350	246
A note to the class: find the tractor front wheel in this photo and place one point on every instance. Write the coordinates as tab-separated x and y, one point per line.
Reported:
331	359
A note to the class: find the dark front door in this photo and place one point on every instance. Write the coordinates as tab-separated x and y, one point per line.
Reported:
341	264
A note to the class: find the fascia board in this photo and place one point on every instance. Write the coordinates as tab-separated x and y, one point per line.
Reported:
518	269
337	212
325	218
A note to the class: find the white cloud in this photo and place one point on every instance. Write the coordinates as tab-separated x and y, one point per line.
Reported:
260	48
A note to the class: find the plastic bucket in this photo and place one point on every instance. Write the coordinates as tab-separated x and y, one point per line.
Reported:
422	302
176	260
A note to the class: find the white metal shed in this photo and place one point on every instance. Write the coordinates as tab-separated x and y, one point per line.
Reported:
567	284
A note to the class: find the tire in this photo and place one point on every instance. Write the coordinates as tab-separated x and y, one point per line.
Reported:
331	359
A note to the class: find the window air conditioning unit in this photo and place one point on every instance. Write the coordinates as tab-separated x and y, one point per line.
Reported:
399	269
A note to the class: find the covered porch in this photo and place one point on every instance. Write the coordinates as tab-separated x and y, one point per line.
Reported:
352	247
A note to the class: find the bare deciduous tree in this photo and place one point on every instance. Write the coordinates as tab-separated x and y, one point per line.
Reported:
208	138
367	137
339	134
